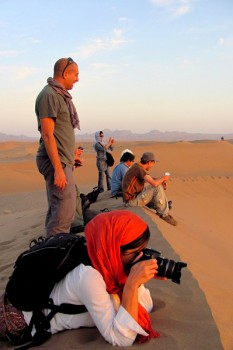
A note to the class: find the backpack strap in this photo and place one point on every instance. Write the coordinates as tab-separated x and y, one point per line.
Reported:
42	322
64	308
38	339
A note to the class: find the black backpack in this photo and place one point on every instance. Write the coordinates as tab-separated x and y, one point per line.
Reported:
109	159
36	271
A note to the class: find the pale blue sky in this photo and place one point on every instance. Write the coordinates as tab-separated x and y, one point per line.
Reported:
144	64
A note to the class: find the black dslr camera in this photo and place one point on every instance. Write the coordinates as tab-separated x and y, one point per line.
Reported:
166	268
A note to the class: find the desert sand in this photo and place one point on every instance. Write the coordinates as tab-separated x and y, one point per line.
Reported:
198	313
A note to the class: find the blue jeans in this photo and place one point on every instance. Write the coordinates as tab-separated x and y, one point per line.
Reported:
103	170
61	203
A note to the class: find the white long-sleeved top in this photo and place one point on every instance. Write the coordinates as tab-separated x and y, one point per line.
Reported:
85	286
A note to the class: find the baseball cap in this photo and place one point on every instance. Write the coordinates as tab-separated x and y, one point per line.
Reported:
148	156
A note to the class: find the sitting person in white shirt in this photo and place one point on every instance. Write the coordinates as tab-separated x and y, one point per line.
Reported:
126	160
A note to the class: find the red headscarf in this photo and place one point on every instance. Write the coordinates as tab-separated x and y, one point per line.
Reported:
105	234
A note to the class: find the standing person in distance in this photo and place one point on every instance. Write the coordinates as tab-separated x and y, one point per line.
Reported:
57	118
103	169
78	222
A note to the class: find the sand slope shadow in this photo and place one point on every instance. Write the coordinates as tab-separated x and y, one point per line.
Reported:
181	313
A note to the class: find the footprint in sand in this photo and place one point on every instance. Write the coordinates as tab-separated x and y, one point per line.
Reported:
6	243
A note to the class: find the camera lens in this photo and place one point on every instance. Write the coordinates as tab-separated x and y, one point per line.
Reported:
166	267
170	269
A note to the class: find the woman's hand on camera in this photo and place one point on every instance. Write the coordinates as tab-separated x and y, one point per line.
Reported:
160	278
142	271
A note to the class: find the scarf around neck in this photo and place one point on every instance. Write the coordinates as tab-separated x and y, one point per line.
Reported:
105	234
68	99
98	139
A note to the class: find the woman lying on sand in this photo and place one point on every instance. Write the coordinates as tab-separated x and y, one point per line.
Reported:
112	291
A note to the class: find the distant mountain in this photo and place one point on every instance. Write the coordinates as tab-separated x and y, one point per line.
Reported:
127	135
7	137
155	135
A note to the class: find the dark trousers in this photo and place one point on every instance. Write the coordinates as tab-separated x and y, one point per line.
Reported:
61	203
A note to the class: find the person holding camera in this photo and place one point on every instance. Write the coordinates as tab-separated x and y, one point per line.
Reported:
78	222
140	189
78	156
101	159
111	288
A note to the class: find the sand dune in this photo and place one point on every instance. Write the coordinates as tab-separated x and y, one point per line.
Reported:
198	314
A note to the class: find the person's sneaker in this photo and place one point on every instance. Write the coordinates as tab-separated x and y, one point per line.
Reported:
93	195
169	219
85	201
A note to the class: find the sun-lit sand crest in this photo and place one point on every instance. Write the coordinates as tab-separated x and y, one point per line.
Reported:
198	313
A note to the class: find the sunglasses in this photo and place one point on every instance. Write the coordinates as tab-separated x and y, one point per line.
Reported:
69	61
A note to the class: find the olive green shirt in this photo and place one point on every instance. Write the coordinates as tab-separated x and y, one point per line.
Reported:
49	104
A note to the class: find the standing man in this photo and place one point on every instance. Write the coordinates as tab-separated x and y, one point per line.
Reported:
140	189
57	118
103	169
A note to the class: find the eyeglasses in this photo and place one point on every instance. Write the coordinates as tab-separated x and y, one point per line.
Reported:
69	61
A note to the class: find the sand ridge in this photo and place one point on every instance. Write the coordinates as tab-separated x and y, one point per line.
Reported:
201	188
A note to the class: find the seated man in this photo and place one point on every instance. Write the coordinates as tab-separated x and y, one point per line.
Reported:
127	159
136	193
